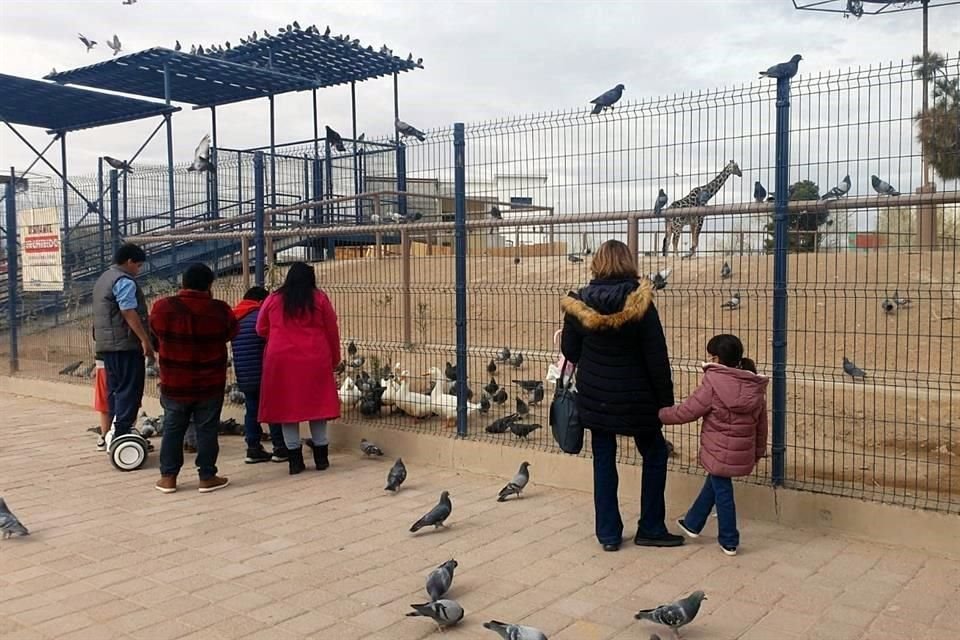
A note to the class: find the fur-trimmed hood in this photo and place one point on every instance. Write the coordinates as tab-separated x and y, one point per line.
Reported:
609	304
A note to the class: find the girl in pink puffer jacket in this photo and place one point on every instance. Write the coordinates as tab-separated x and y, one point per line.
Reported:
731	399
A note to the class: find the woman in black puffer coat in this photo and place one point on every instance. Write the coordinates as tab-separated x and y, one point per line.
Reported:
612	331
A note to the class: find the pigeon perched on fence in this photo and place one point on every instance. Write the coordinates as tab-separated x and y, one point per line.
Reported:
676	614
759	193
396	476
607	99
120	165
509	631
517	484
335	140
495	213
784	69
436	516
440	580
838	191
725	271
733	303
89	44
446	613
661	202
853	370
369	448
883	187
201	156
408	130
9	524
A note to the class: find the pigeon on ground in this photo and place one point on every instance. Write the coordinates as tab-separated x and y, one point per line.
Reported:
87	372
759	193
574	258
436	516
484	403
528	385
660	278
440	580
9	524
492	367
89	44
509	631
357	362
676	614
607	99
900	302
446	613
536	396
522	430
522	408
733	303
784	69
335	140
369	448
661	202
853	370
503	355
492	386
883	187
516	485
450	372
495	213
201	156
70	368
352	349
516	360
119	165
838	191
408	130
500	396
888	305
725	271
396	476
236	396
114	44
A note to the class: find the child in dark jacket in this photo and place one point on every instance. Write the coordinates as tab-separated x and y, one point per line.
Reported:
247	366
733	438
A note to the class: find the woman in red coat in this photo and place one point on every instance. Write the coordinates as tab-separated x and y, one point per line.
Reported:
303	349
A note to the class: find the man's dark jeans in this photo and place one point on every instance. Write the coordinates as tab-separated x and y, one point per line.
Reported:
251	425
126	374
176	417
609	524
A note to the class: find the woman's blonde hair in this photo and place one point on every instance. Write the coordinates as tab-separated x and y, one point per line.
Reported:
614	261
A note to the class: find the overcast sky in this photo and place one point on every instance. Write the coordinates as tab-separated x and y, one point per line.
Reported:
482	60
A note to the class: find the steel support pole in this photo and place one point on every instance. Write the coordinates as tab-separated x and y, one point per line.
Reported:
114	210
13	294
66	202
258	219
167	95
357	207
460	249
101	218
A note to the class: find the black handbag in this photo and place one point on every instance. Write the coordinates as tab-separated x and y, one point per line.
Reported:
564	417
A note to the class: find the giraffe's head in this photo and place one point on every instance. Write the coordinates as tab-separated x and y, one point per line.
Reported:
733	168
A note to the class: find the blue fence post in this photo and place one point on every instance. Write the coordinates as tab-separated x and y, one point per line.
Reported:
101	220
402	178
329	244
316	244
781	229
259	242
12	293
114	211
460	249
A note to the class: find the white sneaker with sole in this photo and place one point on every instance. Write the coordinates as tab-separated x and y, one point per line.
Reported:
101	444
687	532
730	551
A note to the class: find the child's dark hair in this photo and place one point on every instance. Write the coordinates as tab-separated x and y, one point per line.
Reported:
257	294
729	351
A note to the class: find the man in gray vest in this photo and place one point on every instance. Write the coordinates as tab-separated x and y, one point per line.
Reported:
120	332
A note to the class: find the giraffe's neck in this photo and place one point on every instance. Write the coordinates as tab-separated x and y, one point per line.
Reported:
716	184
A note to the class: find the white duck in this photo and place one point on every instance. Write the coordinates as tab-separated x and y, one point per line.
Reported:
349	394
413	404
444	404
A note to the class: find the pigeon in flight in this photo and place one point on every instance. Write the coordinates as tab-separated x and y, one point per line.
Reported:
676	614
883	187
661	202
201	156
129	2
515	631
607	99
440	580
120	165
517	484
89	44
9	524
853	370
446	613
335	140
733	303
888	305
369	448
436	516
838	191
725	271
784	69
408	130
900	302
114	44
396	476
759	193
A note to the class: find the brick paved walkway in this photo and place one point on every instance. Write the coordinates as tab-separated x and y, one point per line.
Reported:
329	556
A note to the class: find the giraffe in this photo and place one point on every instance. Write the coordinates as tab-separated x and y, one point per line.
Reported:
695	199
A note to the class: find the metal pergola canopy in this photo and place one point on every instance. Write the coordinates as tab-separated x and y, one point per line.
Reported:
328	60
58	109
199	80
867	7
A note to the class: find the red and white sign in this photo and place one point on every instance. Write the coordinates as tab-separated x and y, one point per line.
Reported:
40	252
